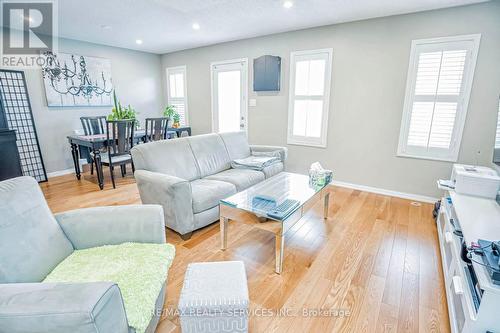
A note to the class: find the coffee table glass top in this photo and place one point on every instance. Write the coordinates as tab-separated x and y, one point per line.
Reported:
280	187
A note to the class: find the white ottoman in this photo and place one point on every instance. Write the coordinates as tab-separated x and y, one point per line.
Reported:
214	298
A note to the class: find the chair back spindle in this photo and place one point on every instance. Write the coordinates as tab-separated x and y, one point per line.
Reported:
93	125
120	136
156	129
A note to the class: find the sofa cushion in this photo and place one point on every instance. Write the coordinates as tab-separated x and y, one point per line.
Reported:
170	157
153	324
206	217
273	169
139	269
236	144
31	241
241	178
210	153
206	193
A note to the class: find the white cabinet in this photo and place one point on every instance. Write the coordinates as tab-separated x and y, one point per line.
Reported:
462	284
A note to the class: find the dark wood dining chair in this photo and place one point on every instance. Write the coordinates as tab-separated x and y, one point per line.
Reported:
93	126
120	139
156	129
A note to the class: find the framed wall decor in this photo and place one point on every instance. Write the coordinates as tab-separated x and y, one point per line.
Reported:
73	80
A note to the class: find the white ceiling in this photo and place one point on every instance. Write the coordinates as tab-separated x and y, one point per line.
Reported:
166	25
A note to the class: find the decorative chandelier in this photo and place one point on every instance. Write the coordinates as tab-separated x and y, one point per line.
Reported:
77	82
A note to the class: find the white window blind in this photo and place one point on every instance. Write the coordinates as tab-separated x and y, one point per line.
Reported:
437	95
310	75
177	91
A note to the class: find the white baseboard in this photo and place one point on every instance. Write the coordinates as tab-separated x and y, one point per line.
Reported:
82	161
60	173
409	196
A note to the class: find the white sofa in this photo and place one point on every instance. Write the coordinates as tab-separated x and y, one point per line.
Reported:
188	176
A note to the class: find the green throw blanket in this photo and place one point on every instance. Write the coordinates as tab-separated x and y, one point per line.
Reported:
139	269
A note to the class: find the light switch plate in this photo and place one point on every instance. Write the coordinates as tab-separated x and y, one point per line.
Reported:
252	102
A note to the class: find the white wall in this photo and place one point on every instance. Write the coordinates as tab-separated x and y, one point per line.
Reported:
136	77
370	62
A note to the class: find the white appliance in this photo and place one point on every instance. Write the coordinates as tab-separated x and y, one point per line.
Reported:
475	180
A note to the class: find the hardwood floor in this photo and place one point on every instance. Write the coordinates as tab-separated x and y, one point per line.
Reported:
376	257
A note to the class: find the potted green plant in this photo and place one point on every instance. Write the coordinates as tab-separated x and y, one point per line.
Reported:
169	112
119	112
177	119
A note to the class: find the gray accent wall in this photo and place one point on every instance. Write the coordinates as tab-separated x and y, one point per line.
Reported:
370	63
136	77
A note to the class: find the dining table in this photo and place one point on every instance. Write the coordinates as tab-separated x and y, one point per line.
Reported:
95	143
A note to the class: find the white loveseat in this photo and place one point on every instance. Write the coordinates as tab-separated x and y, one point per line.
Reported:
188	176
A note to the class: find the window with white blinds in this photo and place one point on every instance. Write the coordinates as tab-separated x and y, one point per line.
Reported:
177	91
310	75
438	87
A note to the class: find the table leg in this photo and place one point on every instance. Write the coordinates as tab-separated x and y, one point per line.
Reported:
223	232
98	168
76	160
326	205
280	249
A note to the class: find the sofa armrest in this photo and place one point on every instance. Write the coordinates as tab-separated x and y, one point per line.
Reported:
172	193
91	227
62	307
260	148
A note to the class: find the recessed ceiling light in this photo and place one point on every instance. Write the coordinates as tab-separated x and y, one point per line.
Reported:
196	26
138	41
288	4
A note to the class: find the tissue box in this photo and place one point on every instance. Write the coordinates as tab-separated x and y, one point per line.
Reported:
320	178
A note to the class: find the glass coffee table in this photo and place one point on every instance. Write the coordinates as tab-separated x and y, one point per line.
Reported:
285	185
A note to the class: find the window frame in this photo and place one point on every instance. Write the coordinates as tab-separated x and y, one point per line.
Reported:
175	70
432	44
305	140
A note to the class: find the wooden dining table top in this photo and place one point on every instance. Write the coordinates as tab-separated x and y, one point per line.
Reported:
139	133
101	137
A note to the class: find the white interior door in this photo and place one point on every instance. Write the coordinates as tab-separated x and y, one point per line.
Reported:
229	95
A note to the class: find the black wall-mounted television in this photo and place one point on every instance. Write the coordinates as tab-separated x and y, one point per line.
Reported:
266	73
